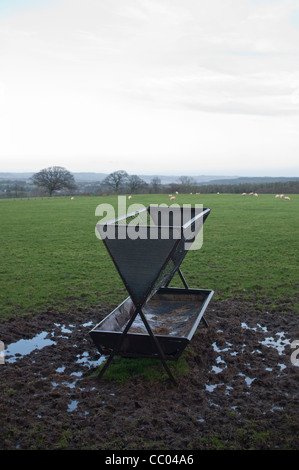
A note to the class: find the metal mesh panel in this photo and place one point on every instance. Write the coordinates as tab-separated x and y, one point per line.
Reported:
139	262
147	256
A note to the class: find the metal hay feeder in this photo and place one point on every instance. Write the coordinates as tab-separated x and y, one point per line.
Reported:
155	321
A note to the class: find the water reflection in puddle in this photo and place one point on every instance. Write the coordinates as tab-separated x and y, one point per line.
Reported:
72	405
279	344
278	341
85	361
23	347
67	380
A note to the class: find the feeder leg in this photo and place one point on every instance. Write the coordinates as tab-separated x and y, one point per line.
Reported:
107	363
117	345
205	322
160	352
183	279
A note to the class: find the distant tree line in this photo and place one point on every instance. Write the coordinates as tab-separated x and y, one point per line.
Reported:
13	189
60	182
120	182
288	187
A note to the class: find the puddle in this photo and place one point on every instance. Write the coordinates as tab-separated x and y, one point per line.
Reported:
215	347
247	379
18	350
85	361
279	344
65	384
64	329
23	347
211	388
258	327
217	370
227	350
72	405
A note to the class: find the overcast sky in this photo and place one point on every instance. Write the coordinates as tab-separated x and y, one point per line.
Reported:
150	86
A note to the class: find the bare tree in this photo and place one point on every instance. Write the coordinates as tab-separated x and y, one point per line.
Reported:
116	179
135	183
53	179
156	184
187	183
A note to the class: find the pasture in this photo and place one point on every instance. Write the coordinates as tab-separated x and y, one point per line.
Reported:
237	380
51	256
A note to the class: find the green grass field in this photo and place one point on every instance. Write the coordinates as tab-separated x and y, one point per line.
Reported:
50	256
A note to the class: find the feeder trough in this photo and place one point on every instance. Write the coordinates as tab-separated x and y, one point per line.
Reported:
155	321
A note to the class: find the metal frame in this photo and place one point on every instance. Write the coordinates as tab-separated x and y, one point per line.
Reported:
155	340
139	302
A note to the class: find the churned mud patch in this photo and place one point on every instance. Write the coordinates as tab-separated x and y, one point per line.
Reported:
240	390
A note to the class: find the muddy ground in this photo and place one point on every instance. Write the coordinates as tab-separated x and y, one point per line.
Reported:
240	392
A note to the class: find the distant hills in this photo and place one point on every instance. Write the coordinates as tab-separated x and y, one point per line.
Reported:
165	179
91	177
253	180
